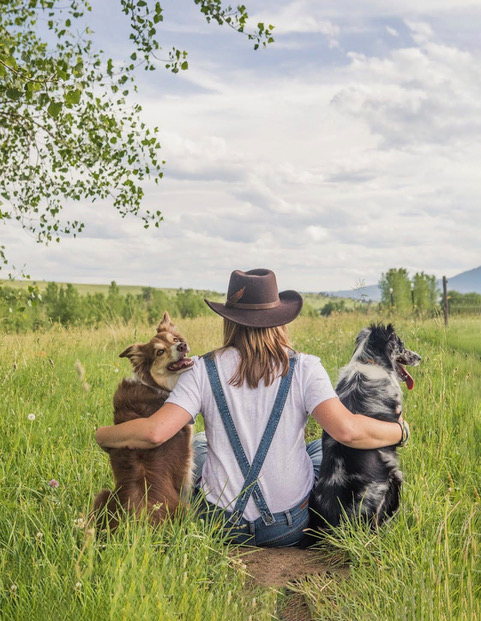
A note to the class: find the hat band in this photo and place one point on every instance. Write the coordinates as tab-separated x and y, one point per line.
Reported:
253	306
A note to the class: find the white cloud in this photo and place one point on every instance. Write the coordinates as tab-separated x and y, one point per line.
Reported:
300	16
417	95
420	31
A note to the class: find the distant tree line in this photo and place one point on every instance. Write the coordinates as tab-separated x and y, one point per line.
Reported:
403	294
464	302
29	309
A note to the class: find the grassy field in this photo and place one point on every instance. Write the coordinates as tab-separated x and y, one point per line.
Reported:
57	388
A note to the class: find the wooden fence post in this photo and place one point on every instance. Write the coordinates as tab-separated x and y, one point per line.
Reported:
445	300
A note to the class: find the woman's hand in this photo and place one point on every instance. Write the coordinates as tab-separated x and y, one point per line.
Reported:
144	433
405	432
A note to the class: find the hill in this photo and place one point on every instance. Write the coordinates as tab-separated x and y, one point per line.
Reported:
466	282
369	292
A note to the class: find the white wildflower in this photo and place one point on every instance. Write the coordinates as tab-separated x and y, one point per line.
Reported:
31	417
80	522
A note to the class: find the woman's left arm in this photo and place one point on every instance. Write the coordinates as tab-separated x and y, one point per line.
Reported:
145	433
356	430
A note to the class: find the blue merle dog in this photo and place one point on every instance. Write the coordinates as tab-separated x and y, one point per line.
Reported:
355	483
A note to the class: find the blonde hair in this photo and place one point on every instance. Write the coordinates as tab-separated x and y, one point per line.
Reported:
264	352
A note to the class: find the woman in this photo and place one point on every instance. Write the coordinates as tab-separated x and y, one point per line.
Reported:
255	394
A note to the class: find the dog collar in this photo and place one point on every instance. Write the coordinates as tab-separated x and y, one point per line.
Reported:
162	392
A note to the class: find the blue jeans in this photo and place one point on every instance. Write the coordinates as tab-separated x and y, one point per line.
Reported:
289	525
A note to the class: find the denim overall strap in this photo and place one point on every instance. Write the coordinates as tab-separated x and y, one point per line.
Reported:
250	472
264	445
231	431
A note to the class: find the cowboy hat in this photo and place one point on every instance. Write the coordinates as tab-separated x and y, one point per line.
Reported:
254	301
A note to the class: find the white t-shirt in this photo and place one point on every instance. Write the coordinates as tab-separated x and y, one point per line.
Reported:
287	476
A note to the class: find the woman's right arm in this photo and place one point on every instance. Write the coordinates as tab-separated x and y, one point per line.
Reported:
145	433
355	430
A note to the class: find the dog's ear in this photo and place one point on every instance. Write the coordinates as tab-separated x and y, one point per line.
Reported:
131	351
165	324
379	337
362	336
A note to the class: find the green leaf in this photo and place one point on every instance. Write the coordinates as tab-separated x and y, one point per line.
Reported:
13	93
10	62
184	65
73	97
43	99
54	109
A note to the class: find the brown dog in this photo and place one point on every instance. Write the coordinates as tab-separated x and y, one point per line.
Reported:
152	480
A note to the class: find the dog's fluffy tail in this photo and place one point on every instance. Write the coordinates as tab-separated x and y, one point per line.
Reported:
106	511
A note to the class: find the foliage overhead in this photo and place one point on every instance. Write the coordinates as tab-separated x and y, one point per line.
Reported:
67	130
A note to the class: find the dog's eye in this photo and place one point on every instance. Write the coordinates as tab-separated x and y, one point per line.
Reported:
176	340
160	352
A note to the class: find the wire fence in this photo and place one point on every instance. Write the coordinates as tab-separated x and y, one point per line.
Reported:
465	309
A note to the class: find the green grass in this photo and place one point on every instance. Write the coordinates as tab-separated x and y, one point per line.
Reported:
424	564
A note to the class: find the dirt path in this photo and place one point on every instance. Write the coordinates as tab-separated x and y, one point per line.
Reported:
277	567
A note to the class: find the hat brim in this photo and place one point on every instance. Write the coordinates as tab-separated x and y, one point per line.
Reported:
289	308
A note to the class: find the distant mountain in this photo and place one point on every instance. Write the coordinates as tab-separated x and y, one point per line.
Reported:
369	292
466	282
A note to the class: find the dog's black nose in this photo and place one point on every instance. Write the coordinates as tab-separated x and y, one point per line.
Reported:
182	347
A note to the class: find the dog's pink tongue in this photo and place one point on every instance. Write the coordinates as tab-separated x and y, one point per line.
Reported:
409	381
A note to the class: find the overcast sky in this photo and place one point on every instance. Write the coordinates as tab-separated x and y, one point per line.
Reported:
349	146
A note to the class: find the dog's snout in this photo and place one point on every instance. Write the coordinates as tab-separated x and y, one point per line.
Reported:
182	347
414	359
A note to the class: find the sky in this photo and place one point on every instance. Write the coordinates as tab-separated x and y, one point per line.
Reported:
350	146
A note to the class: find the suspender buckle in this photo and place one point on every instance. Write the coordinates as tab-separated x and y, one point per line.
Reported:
267	518
235	518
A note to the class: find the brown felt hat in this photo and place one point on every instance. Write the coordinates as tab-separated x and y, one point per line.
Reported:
254	301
